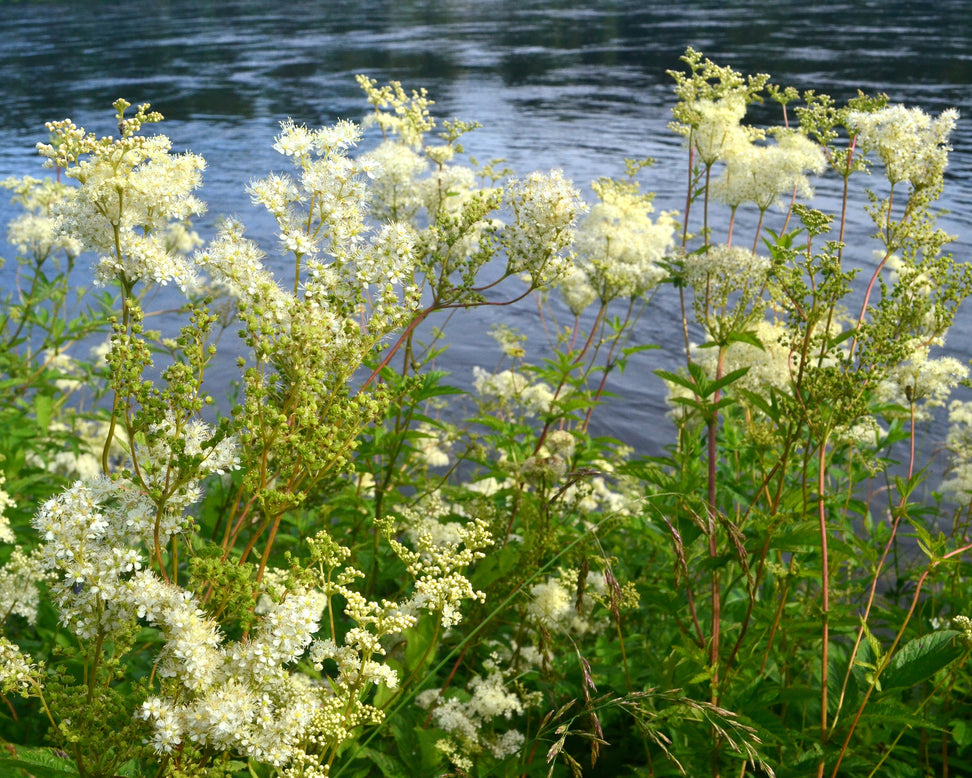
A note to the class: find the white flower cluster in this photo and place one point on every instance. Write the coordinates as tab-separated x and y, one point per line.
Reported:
22	574
20	579
618	247
717	129
471	717
921	380
433	445
237	696
395	191
34	232
511	388
131	190
235	264
96	531
720	271
912	145
544	210
762	174
160	468
17	672
84	463
551	461
440	559
958	480
6	533
321	220
608	493
91	532
772	366
554	604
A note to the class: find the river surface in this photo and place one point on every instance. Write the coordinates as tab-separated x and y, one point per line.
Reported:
570	85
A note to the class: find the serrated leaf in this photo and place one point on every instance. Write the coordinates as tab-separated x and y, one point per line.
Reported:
746	337
677	379
919	659
727	379
38	762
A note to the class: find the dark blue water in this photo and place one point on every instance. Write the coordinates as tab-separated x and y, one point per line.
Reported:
574	85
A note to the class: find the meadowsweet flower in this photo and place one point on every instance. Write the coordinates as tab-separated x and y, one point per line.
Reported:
508	387
433	445
715	126
544	210
771	366
235	696
235	264
576	290
394	187
440	558
6	533
618	246
130	190
489	485
554	603
543	470
561	443
91	546
610	494
20	579
958	478
718	272
447	189
922	381
17	672
509	339
761	174
912	145
34	232
473	717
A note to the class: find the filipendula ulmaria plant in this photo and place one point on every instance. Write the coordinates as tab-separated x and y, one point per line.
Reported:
138	585
782	403
290	618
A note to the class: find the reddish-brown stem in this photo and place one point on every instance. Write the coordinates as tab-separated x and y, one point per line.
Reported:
715	585
867	608
843	201
759	229
890	653
398	343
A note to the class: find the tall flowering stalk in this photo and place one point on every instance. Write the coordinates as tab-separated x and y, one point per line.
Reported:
350	573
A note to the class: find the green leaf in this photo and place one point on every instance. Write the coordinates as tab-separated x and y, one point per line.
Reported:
919	659
419	642
37	762
727	379
389	766
43	410
961	733
678	380
746	337
629	350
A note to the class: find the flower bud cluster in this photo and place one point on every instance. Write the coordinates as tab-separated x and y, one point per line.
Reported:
440	559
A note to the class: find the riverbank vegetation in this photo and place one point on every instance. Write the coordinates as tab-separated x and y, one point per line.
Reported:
278	539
